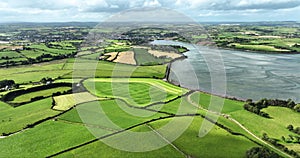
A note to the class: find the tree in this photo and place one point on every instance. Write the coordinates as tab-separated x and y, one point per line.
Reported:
261	152
297	108
43	80
283	138
249	100
290	127
297	130
8	83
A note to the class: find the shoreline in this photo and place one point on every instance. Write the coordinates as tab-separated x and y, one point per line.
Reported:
251	51
183	57
226	96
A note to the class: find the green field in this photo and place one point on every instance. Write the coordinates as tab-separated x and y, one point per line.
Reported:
43	47
117	46
142	57
275	127
33	53
65	102
35	72
122	116
15	119
207	146
9	54
84	68
204	100
45	93
265	48
51	136
134	91
99	149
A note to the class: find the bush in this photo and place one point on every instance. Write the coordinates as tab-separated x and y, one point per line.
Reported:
261	152
11	95
264	103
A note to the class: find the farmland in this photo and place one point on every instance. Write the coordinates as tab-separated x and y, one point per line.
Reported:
15	119
71	98
65	102
46	93
284	39
138	90
144	58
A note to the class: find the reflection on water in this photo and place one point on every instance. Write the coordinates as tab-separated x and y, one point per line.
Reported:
249	75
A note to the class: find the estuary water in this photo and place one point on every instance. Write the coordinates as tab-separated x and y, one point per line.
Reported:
248	74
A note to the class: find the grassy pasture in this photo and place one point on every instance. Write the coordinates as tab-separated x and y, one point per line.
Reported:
35	72
33	53
52	137
46	93
117	46
265	48
214	144
189	143
43	47
65	102
137	92
143	57
204	100
34	76
100	149
10	54
53	69
88	68
275	127
91	56
14	119
94	113
4	106
187	108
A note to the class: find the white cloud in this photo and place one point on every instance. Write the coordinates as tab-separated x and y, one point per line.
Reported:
3	4
26	10
151	3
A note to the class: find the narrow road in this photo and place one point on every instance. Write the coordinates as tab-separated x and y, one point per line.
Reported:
236	122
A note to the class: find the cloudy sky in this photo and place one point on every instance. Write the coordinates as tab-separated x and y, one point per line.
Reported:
99	10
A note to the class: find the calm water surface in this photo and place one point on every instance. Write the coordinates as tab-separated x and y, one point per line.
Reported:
248	74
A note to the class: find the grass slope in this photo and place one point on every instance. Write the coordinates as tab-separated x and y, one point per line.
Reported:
189	143
137	92
93	113
14	119
275	127
46	93
44	140
65	102
143	57
84	68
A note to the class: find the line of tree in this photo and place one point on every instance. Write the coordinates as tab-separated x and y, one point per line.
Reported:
292	129
11	95
5	83
256	107
280	146
46	80
261	152
291	139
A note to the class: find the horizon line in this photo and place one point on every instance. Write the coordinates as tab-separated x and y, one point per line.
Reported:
3	22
